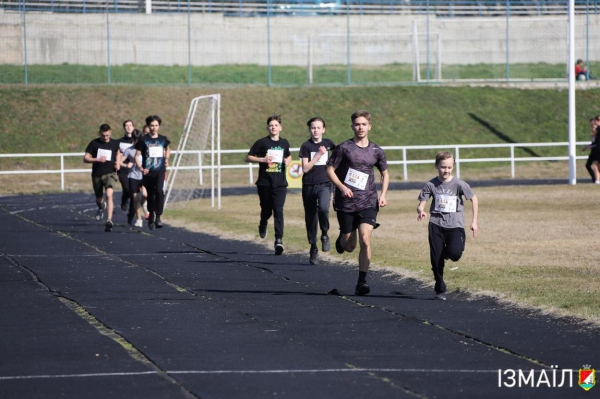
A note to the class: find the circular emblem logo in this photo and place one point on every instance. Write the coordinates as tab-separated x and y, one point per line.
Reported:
296	170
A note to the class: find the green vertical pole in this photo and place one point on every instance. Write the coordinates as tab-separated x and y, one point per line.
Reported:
348	70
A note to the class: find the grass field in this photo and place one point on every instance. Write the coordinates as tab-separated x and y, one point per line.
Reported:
259	75
536	245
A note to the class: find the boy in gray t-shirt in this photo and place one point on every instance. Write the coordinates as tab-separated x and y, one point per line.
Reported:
446	226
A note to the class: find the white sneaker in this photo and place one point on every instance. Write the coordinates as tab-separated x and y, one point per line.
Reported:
100	212
139	223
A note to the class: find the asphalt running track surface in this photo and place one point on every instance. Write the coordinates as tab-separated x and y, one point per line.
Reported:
172	314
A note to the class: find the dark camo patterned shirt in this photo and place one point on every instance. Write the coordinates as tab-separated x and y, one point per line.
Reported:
348	156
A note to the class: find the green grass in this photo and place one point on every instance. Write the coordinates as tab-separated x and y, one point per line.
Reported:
65	118
259	75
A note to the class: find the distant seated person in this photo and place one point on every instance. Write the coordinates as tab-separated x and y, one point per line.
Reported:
581	72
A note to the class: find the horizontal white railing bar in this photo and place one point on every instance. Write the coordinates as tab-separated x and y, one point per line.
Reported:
250	166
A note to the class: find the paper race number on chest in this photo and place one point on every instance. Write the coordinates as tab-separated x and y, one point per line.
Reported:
356	179
155	151
105	153
446	203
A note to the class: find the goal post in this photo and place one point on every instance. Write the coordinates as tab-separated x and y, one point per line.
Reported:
199	144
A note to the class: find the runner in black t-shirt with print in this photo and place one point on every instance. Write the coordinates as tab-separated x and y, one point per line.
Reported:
316	186
124	143
155	152
350	168
273	155
102	154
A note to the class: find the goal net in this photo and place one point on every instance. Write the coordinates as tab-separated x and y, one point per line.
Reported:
198	151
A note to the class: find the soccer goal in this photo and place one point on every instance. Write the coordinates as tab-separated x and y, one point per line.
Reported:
200	143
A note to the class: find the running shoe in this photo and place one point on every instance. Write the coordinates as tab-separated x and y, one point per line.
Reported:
147	215
130	219
338	245
362	289
278	246
262	231
158	223
325	243
151	221
100	212
440	296
108	226
314	254
139	223
125	205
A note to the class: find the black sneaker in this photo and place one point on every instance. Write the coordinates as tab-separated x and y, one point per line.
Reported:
278	246
314	254
151	221
362	289
262	231
158	223
338	245
125	206
108	226
130	219
325	243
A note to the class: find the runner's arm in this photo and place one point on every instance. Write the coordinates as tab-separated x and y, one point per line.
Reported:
385	183
475	204
346	192
421	214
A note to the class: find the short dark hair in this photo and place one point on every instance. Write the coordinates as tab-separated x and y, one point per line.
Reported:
125	122
315	119
361	113
442	156
104	128
152	118
274	118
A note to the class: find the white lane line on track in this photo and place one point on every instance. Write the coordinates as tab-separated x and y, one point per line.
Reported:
98	255
33	209
292	371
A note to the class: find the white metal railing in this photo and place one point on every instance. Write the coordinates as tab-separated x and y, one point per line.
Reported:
391	160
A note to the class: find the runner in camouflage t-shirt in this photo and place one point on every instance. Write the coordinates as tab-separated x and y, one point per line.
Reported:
350	168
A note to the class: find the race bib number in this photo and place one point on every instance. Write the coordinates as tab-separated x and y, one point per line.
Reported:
105	153
276	155
322	160
124	146
356	179
156	151
446	203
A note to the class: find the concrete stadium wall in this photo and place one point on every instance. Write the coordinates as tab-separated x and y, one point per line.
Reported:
162	39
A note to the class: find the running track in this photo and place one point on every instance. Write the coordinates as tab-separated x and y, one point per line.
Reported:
174	314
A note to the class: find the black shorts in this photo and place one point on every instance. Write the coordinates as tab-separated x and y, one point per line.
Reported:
134	185
349	221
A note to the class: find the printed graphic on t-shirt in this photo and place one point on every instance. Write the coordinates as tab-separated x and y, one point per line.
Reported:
105	153
155	151
277	158
445	203
124	146
356	179
322	160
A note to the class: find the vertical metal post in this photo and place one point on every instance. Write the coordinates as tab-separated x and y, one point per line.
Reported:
439	57
416	63
62	172
428	72
148	6
251	173
200	177
212	152
219	149
189	34
310	66
269	72
507	40
457	160
512	161
587	37
572	165
108	46
404	166
348	69
25	42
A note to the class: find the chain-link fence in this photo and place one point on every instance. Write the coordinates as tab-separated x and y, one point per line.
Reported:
293	42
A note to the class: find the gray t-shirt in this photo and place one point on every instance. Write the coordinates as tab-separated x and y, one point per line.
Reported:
134	172
447	205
